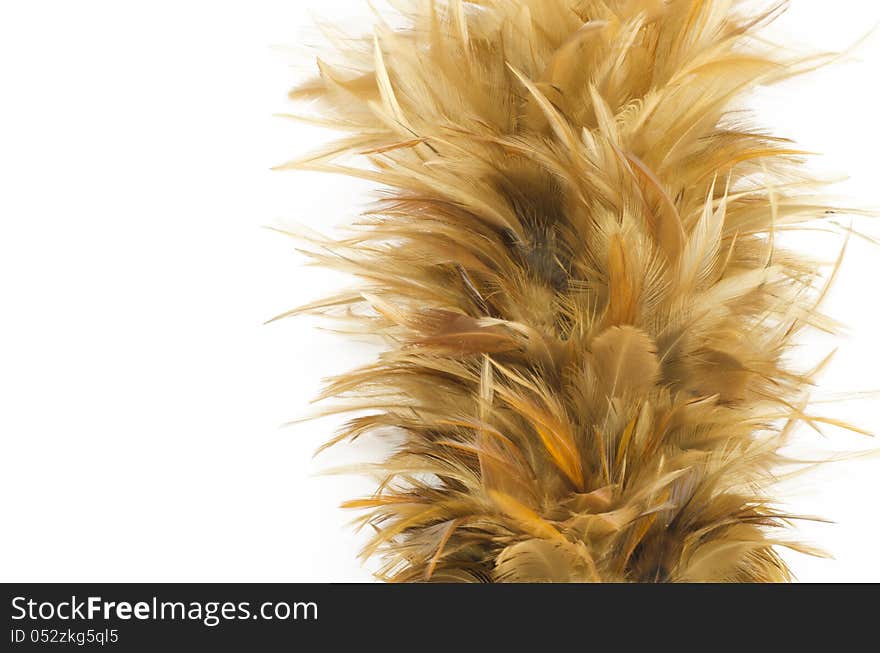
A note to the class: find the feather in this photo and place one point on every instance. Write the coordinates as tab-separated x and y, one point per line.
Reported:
703	246
586	373
386	91
626	360
623	289
545	561
527	518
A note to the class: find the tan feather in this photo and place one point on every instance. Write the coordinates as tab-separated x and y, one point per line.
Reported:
527	518
545	561
623	286
586	371
626	360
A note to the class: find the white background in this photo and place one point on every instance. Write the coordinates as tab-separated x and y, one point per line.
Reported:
141	397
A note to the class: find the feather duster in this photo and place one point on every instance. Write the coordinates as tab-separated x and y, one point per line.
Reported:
574	267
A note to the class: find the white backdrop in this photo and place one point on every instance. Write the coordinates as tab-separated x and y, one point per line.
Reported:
142	397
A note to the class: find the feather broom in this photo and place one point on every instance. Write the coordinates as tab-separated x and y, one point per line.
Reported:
575	270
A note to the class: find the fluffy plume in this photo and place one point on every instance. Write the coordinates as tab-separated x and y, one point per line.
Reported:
575	269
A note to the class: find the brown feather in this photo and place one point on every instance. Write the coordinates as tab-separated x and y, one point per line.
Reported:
587	313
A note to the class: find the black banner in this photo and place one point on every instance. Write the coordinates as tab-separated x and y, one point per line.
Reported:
281	617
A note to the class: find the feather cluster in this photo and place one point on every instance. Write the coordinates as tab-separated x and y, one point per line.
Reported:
575	268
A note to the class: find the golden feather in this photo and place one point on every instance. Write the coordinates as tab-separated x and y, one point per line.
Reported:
575	269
